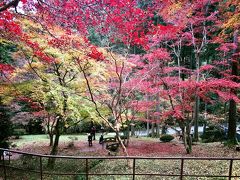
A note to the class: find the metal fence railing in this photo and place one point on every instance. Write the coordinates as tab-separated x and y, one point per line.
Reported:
17	163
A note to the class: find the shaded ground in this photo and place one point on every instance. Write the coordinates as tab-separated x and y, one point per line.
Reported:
137	147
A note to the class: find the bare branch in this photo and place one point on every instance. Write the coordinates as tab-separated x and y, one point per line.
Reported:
92	98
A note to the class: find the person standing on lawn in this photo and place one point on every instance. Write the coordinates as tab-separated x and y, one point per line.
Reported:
93	132
89	140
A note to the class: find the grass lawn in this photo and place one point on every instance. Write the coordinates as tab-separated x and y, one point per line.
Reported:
44	139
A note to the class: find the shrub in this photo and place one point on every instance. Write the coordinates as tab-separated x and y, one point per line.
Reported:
34	126
70	144
18	132
166	138
213	134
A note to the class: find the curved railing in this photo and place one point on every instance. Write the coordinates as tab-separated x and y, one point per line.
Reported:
89	167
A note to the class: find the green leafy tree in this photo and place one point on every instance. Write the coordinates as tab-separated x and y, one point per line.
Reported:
6	49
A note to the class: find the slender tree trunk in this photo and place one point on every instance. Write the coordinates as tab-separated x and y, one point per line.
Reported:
132	130
225	110
198	65
196	119
121	143
164	129
148	125
157	118
50	130
54	150
59	122
204	127
232	104
128	135
186	135
197	101
232	123
50	134
205	118
158	130
50	139
132	126
187	138
148	129
147	117
153	130
124	149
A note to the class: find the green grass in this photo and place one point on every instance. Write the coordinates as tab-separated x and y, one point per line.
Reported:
43	138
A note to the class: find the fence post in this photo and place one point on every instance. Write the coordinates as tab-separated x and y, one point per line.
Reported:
134	168
86	168
230	169
41	168
181	173
4	168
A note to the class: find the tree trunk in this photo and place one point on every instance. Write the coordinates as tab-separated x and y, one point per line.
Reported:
50	139
50	130
198	50
124	149
148	129
121	143
196	119
164	129
128	135
187	139
50	134
225	110
147	117
153	130
232	123
204	127
157	118
232	104
54	150
205	118
197	100
132	129
132	124
186	135
158	130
